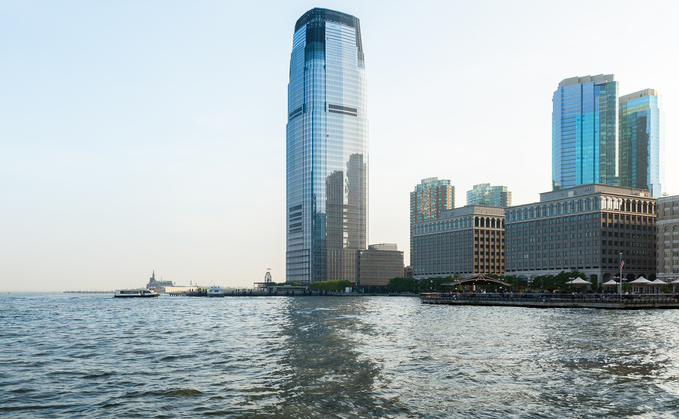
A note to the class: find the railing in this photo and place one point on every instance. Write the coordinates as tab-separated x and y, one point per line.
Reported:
557	298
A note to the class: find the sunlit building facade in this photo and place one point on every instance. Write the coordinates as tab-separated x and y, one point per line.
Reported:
379	264
641	141
585	132
429	199
462	241
327	149
587	228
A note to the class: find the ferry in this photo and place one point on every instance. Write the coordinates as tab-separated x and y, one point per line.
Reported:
215	291
138	293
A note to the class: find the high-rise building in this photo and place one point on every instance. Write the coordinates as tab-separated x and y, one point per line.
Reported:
428	200
327	149
490	196
641	141
585	132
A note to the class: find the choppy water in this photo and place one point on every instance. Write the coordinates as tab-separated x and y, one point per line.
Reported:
68	355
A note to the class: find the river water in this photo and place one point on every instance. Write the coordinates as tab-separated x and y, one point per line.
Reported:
66	355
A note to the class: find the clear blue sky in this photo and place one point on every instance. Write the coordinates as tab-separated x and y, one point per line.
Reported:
151	135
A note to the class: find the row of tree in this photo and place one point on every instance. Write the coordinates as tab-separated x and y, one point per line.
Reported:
549	283
330	285
543	282
418	285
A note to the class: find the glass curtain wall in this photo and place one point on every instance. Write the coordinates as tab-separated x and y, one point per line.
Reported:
584	132
327	149
641	140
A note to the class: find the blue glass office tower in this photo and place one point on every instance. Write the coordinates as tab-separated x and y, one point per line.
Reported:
327	149
641	141
585	131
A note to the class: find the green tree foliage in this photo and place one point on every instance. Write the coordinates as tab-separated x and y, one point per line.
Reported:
557	281
403	285
513	280
434	284
419	285
330	285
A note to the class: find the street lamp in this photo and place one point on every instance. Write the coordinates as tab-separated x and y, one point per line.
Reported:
620	282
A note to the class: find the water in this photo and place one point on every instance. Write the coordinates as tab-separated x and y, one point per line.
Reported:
68	355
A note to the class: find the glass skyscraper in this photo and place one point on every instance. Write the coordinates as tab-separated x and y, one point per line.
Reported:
641	141
490	196
327	149
585	132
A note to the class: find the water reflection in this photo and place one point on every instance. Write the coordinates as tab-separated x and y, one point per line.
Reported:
323	367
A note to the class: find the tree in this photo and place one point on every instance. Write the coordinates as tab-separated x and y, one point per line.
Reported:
336	285
402	285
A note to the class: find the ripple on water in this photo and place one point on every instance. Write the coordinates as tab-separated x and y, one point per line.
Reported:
90	355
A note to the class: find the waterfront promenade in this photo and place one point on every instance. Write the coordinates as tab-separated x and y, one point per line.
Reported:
601	301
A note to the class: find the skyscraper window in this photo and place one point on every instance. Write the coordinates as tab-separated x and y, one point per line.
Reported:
327	149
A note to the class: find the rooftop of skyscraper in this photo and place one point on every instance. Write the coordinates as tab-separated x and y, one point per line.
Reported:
600	78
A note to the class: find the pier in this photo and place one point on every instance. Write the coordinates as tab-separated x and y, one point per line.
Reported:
601	301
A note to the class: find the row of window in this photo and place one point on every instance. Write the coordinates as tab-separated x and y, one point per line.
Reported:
588	204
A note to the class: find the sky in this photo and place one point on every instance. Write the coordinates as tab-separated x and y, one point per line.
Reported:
140	136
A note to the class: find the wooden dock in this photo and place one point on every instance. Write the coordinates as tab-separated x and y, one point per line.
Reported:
613	302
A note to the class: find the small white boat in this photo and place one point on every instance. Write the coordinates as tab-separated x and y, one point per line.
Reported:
138	293
215	291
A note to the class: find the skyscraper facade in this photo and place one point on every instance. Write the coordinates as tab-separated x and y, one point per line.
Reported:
641	141
431	197
327	149
585	132
490	196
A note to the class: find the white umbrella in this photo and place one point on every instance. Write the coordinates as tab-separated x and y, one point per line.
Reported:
610	283
658	283
674	283
578	282
640	282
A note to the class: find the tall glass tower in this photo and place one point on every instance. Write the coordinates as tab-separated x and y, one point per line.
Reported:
641	141
327	149
490	196
585	131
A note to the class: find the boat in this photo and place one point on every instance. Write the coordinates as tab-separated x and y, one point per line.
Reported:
136	293
215	291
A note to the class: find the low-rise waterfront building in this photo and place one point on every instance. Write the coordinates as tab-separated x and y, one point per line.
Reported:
378	264
462	241
588	228
668	237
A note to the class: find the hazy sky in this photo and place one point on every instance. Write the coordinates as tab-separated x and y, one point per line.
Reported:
142	135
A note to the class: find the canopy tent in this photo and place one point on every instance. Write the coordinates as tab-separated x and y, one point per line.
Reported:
658	283
674	284
640	282
476	280
610	283
578	282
